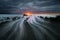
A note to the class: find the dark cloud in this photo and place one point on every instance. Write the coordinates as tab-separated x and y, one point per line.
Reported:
13	6
42	6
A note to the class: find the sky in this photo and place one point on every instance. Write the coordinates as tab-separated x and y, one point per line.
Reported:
18	6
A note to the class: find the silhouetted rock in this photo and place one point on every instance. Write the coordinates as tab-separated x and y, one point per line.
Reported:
53	19
57	19
8	18
41	16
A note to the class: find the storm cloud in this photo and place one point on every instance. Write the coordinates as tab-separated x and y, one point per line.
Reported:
41	6
13	6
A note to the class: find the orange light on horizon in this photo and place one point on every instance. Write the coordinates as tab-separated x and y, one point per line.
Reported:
28	13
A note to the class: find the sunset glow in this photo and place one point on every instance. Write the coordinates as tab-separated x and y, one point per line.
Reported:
28	13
